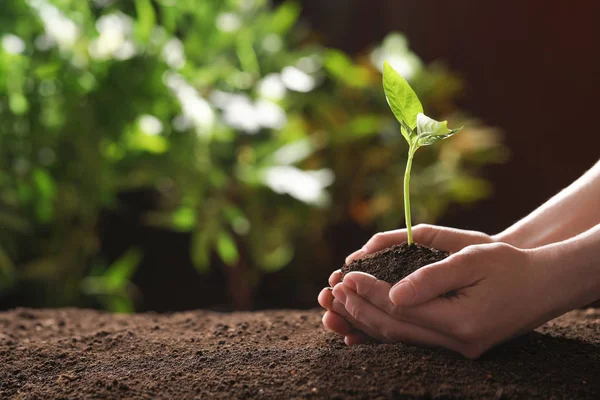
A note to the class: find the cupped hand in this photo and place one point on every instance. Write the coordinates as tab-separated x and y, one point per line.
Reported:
501	292
452	240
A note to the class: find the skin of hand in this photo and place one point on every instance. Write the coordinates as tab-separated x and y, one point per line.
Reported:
448	239
552	222
502	292
572	211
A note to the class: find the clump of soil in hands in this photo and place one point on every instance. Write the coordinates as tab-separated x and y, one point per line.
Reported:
397	262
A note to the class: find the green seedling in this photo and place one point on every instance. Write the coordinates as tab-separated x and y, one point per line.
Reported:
417	128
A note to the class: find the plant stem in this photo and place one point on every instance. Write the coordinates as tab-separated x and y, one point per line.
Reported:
411	153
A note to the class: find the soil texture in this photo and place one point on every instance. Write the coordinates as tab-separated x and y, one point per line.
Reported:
396	262
84	354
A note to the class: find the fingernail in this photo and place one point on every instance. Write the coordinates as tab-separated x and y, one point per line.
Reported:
339	295
329	288
403	292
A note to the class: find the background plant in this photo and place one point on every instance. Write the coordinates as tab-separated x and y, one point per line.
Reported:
256	138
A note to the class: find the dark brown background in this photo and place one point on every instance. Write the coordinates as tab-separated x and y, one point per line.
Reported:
533	68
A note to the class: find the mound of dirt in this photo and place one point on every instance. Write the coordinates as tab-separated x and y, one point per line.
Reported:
83	354
396	262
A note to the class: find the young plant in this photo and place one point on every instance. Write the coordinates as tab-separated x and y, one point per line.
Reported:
417	128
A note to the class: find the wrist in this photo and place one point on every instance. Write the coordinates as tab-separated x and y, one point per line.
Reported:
509	237
571	272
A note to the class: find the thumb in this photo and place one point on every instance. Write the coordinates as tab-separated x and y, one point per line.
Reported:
432	281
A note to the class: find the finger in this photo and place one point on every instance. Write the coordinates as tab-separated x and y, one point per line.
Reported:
383	240
455	272
439	237
335	278
356	255
339	309
325	298
448	239
379	241
393	330
443	315
375	291
356	337
335	323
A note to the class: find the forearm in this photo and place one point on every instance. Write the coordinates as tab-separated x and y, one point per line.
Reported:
571	212
572	268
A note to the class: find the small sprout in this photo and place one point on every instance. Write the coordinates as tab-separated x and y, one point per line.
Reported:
417	128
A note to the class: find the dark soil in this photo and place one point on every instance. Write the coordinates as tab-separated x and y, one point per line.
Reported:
396	262
82	354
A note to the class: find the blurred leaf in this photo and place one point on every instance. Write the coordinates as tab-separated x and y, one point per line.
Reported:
18	103
360	127
184	219
285	17
468	189
46	189
44	183
277	259
227	249
237	219
200	248
247	55
120	304
121	271
146	19
343	68
150	143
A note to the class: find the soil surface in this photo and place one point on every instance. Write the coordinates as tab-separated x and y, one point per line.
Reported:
396	262
83	354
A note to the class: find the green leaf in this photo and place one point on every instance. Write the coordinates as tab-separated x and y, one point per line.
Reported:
284	17
402	99
119	304
200	249
149	143
466	189
44	183
46	190
227	249
146	19
430	131
277	259
184	219
121	271
343	68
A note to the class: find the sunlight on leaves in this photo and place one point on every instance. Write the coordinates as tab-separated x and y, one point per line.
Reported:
402	99
227	249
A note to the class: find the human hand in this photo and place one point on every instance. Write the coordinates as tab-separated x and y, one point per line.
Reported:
501	291
448	239
437	237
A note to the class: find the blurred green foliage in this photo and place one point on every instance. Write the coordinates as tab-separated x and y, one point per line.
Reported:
255	136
